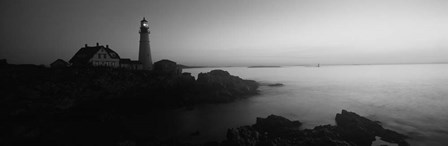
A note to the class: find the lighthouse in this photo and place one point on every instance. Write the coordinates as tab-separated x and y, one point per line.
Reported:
144	54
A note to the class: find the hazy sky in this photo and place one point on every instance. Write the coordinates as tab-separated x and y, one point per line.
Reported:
230	32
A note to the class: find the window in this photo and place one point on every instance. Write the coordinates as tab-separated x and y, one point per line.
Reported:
99	56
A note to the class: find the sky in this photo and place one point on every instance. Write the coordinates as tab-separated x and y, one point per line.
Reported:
230	32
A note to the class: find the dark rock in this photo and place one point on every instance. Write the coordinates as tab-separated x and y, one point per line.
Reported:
220	73
362	131
276	85
242	136
324	135
167	67
223	85
351	130
276	125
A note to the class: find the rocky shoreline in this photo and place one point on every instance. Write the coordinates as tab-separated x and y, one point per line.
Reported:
89	106
350	130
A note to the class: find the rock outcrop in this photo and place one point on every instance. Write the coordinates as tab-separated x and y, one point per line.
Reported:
276	125
362	131
221	85
351	130
167	67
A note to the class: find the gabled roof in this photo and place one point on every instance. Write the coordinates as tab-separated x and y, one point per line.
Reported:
86	53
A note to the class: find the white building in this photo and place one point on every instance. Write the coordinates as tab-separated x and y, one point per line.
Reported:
96	56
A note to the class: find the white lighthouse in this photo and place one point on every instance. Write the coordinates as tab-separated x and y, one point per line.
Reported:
144	54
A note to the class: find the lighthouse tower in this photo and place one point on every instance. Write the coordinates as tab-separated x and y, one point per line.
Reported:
144	54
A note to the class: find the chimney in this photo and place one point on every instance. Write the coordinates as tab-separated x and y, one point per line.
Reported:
85	45
97	44
107	46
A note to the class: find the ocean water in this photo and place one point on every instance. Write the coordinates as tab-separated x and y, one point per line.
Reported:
410	99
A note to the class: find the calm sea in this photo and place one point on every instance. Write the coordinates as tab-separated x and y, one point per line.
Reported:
410	99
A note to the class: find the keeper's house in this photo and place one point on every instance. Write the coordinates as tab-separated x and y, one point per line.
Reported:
102	56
